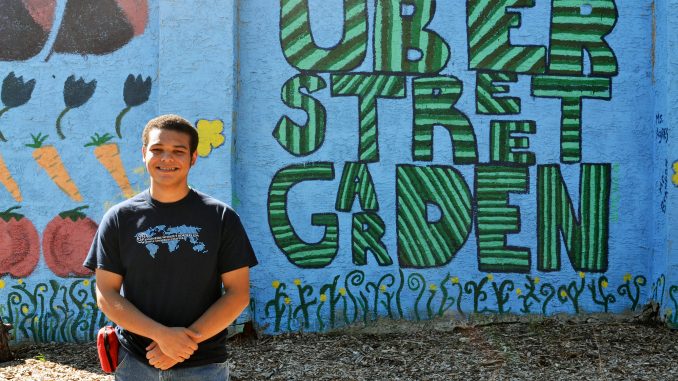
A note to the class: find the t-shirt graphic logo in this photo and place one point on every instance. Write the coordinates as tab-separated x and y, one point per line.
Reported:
170	236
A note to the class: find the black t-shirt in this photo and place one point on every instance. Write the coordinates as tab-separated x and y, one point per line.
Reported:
171	257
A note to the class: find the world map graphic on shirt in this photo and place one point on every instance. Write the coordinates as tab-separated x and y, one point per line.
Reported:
170	236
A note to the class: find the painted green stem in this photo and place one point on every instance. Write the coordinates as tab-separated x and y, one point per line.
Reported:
4	110
118	120
58	123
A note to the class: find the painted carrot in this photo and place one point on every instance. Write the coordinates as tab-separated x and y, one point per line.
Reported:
9	183
48	158
108	155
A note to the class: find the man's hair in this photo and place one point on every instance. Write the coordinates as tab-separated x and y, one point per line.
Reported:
173	123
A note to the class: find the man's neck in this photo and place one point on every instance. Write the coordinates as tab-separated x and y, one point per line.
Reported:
162	194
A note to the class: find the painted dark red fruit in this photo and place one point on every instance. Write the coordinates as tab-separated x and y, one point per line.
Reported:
66	241
19	244
24	27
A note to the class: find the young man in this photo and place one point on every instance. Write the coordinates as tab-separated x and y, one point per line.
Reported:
161	258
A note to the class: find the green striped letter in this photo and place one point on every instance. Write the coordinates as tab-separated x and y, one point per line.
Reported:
585	237
496	218
402	43
297	139
422	243
489	47
434	100
300	49
297	251
356	180
503	144
578	25
487	103
368	88
368	229
571	90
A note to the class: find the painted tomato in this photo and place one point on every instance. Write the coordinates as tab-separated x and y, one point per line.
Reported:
19	244
66	241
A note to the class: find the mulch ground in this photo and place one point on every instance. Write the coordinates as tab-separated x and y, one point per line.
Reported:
482	348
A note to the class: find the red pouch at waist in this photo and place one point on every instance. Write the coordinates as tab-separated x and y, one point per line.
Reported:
107	348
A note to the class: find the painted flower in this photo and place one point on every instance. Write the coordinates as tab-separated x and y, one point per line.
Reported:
432	287
16	92
36	319
78	92
42	288
537	280
24	309
275	284
2	284
383	288
519	291
604	284
20	281
210	133
297	282
85	282
582	275
455	280
563	294
490	277
342	291
627	277
323	297
288	300
137	90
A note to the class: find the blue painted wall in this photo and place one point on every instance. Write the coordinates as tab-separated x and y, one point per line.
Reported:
225	65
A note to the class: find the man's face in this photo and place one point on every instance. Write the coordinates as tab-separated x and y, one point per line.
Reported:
167	158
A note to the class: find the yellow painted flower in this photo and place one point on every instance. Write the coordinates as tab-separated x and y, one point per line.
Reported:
490	277
20	281
36	319
627	277
2	283
297	282
433	287
382	288
674	177
24	309
85	282
582	275
342	291
323	297
275	284
43	288
210	133
288	300
563	294
519	291
604	284
536	280
455	280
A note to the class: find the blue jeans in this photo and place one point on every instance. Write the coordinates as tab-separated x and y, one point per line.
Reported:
131	369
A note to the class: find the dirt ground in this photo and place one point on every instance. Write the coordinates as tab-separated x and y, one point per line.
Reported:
487	348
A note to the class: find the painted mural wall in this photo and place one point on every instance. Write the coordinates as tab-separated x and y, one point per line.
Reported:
79	81
403	159
419	158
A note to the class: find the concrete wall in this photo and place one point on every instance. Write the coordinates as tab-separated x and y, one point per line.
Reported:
403	160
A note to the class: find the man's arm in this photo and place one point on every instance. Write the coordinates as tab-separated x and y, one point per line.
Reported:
228	307
217	318
178	343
